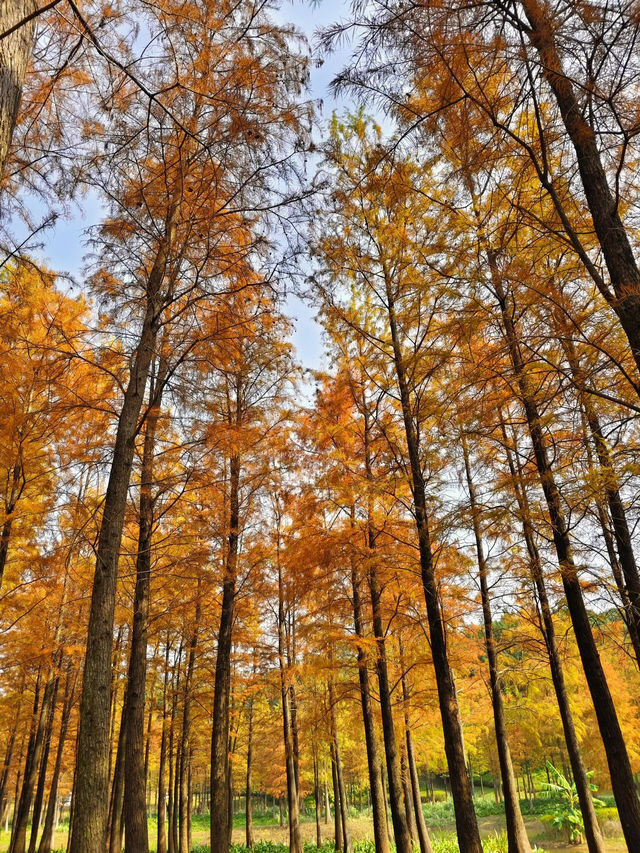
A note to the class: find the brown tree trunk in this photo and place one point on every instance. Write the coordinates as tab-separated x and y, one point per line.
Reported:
339	788
173	761
423	832
247	787
220	828
46	842
90	814
609	228
42	774
378	805
116	828
293	803
595	841
617	757
186	732
34	755
8	755
611	489
466	821
15	54
136	829
517	839
316	794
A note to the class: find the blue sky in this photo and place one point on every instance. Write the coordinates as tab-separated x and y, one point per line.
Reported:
65	247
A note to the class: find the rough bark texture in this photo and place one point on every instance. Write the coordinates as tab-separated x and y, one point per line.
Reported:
466	821
90	814
220	793
341	802
595	841
185	744
136	832
610	231
293	802
378	804
15	54
247	786
517	839
622	780
421	824
46	841
161	845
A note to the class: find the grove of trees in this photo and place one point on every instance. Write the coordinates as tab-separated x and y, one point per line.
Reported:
234	587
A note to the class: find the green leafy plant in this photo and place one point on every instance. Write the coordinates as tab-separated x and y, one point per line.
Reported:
566	815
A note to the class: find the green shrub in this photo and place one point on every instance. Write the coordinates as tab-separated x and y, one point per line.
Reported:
607	813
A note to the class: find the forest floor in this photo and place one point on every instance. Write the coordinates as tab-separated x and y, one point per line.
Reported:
361	829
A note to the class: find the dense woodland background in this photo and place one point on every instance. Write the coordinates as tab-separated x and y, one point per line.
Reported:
389	604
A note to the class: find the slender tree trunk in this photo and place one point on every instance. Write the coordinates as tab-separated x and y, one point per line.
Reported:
42	774
46	842
136	829
337	813
466	821
15	53
293	803
186	732
339	787
16	486
423	833
593	835
90	814
609	228
617	757
611	489
34	755
173	761
518	841
378	805
116	828
401	830
316	794
247	789
8	755
220	827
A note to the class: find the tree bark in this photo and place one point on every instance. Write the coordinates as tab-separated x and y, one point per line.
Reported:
466	821
423	832
293	803
136	830
15	54
517	839
46	842
617	757
247	787
609	228
339	788
595	841
220	827
378	805
89	829
186	732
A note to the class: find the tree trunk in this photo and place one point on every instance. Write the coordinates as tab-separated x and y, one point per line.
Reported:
381	837
116	828
316	795
8	755
337	813
186	731
595	841
517	839
293	803
46	842
219	834
90	813
15	54
339	787
42	775
611	488
466	821
136	830
247	788
34	755
423	833
617	757
609	228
